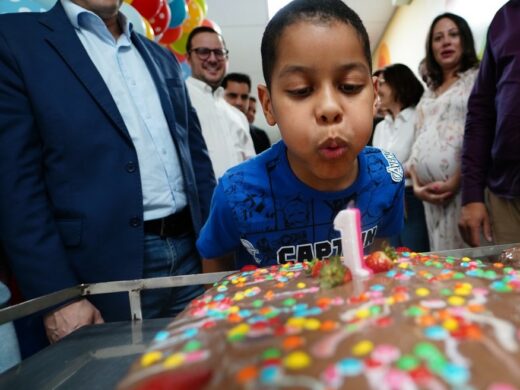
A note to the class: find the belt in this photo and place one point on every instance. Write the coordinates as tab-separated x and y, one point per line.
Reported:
170	226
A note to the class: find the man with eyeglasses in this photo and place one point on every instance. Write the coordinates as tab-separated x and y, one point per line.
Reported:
225	129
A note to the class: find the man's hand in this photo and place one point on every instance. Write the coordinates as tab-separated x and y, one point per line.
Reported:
67	319
473	217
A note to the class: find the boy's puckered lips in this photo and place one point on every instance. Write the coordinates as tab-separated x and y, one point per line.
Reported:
333	148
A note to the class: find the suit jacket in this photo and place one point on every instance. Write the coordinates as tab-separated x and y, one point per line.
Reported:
260	139
71	206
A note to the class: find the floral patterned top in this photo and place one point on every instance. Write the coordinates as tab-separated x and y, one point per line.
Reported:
440	129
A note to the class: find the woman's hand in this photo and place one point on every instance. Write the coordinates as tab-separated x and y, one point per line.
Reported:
437	192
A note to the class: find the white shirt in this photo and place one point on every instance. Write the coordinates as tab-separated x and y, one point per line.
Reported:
397	136
225	128
127	77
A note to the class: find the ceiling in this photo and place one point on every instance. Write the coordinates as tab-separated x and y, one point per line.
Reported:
375	15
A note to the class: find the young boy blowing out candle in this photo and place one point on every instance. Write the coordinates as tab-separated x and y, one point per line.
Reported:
280	206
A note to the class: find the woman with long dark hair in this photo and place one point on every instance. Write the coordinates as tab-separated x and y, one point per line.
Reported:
434	165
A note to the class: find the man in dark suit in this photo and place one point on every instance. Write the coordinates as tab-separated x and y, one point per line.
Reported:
104	174
237	89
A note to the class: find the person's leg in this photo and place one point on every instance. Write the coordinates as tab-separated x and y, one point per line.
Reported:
158	262
169	257
505	216
187	262
415	233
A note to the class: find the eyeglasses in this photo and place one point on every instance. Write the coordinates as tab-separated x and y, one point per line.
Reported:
204	53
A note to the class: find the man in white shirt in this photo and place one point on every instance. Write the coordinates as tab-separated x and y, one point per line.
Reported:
225	129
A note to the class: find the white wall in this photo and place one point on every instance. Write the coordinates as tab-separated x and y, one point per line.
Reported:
243	23
405	35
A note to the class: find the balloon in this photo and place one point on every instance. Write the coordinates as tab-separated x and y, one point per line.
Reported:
170	35
180	44
16	6
203	6
194	17
180	57
161	21
212	24
134	17
47	4
148	30
186	69
147	8
179	10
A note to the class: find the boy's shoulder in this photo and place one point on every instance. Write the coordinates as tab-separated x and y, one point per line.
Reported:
255	169
379	164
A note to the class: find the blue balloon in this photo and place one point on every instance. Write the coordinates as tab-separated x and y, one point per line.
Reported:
179	10
186	69
47	4
16	6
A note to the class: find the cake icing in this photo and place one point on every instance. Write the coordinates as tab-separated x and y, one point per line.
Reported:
428	323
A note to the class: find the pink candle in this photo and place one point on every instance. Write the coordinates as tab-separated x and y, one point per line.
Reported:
348	222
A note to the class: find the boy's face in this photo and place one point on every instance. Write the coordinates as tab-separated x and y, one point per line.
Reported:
323	99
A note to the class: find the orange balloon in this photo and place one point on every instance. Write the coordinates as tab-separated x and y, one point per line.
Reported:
194	18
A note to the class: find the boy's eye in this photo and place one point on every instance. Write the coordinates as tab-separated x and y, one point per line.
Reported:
299	92
350	88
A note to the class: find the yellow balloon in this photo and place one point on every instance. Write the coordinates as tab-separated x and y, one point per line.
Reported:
194	18
148	30
203	6
128	1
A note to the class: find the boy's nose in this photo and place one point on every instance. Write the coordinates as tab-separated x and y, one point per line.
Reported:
329	108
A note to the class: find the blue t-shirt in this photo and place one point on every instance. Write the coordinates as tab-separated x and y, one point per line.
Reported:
265	214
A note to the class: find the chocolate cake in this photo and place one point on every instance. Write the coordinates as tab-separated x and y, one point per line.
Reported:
427	323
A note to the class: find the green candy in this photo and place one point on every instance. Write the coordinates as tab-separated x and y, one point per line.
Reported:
289	302
427	351
192	345
407	363
271	353
257	303
414	311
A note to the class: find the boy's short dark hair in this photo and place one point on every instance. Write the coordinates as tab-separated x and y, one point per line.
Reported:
198	30
238	78
406	87
321	11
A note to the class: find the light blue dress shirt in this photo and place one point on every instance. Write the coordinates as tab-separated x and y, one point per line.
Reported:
133	90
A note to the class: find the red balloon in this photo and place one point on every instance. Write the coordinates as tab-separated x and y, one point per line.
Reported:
148	8
180	57
212	24
161	21
170	35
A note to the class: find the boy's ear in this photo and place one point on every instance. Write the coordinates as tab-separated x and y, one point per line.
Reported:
376	96
267	107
